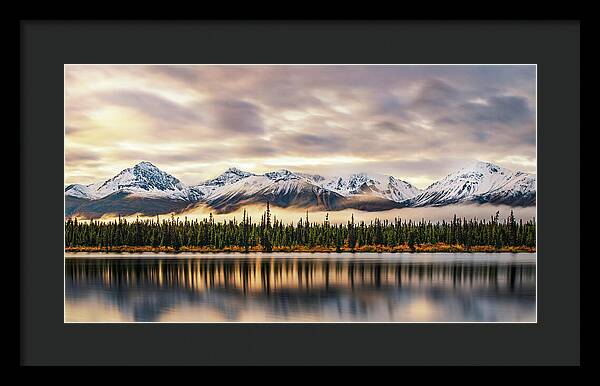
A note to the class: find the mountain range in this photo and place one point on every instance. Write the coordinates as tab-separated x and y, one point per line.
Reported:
146	189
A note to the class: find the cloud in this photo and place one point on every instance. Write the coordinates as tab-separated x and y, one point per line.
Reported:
233	116
413	122
435	93
76	156
504	109
185	74
390	127
152	105
306	142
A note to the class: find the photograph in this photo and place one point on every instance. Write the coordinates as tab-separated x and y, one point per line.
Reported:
300	193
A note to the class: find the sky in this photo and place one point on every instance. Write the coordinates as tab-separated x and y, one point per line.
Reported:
417	123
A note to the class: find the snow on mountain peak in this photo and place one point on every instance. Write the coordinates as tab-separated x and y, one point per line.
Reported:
145	164
315	178
490	167
78	190
378	185
469	183
143	176
229	176
480	182
282	174
234	170
142	179
484	165
481	174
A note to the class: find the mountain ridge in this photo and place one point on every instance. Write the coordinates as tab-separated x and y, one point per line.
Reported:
144	184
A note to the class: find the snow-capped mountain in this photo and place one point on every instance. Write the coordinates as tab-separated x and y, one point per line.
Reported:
315	178
482	182
229	176
520	190
286	188
377	185
282	188
146	189
144	180
80	191
206	188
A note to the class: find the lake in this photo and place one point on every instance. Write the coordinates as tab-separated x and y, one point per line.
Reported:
296	287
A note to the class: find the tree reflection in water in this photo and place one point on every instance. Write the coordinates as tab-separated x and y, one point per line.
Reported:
322	288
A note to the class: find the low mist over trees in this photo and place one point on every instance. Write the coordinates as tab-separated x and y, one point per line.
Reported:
269	233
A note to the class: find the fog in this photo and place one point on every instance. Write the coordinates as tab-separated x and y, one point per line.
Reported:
484	211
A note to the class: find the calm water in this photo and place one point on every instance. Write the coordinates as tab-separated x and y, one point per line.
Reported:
361	287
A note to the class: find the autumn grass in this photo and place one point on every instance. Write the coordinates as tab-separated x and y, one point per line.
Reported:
428	248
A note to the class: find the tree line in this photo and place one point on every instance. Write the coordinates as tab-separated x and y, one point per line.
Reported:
267	233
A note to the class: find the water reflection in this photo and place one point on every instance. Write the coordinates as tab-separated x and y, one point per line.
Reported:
296	289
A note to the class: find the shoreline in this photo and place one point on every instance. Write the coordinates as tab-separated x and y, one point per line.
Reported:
436	248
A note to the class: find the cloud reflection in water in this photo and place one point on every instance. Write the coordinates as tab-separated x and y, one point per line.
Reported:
319	288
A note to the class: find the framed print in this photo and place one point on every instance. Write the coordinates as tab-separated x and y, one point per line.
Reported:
322	193
282	202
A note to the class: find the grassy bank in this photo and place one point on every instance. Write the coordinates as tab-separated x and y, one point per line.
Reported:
429	248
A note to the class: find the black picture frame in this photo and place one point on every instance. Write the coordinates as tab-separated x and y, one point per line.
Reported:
47	45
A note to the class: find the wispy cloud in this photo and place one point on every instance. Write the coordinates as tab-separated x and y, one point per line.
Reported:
414	122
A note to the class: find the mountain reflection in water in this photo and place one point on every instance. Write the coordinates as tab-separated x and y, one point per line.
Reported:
321	288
